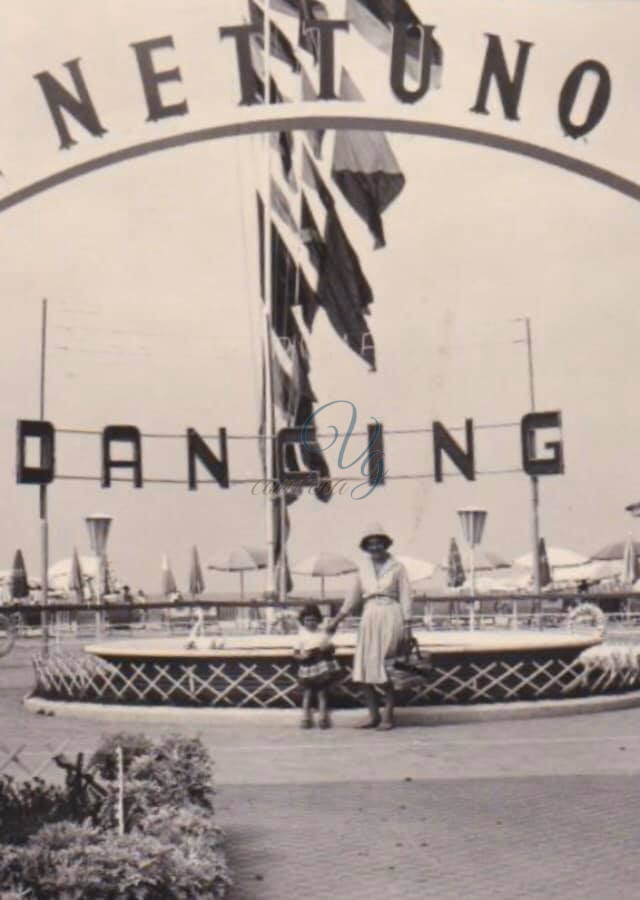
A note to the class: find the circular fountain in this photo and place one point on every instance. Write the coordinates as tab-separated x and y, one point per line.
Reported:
257	670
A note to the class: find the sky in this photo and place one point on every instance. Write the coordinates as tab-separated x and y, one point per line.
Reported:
149	271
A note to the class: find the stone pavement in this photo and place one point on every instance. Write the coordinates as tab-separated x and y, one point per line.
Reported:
515	809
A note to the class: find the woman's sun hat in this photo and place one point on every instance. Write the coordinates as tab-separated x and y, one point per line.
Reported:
375	530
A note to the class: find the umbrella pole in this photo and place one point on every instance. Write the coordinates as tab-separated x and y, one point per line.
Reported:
322	587
472	581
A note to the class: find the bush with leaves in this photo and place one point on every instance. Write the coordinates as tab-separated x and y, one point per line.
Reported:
27	805
104	760
172	849
79	862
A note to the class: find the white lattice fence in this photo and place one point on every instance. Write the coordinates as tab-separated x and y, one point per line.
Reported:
271	682
25	761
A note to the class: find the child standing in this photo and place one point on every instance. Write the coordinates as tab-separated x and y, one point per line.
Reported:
317	665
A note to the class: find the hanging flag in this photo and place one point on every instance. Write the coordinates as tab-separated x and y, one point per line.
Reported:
343	291
309	93
365	169
280	45
374	20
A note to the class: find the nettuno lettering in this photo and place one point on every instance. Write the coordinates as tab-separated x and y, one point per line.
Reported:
79	106
599	100
495	69
248	84
399	50
326	29
152	79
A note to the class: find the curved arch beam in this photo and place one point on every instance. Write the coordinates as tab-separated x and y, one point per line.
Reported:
313	122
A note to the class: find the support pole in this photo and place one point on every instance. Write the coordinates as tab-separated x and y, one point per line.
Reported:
44	521
535	495
272	499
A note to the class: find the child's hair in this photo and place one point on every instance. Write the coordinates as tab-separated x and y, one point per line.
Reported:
310	610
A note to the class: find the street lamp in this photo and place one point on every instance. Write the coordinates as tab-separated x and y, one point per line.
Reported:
98	526
472	521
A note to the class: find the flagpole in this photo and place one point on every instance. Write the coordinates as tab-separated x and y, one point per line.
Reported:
271	508
535	495
44	521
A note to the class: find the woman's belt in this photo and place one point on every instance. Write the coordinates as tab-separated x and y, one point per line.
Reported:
381	598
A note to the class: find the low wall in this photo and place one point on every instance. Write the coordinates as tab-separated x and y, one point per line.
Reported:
270	681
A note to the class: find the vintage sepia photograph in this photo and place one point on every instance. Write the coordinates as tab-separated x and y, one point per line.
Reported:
320	573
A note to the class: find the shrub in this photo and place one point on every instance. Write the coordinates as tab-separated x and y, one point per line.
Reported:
79	862
104	759
173	850
27	805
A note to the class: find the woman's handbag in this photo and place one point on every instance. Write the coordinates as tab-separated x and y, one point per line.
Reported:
411	669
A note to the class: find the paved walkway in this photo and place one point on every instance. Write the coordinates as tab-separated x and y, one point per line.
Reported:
539	808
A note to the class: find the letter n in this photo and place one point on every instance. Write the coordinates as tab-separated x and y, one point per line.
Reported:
444	443
44	432
126	434
197	449
509	86
80	107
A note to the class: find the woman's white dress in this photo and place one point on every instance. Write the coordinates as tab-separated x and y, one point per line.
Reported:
386	600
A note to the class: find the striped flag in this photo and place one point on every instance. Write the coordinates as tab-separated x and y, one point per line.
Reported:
365	169
327	195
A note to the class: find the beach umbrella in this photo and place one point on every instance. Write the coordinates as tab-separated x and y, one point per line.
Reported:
324	565
19	587
169	585
76	578
557	557
196	579
629	563
242	559
455	569
417	569
611	552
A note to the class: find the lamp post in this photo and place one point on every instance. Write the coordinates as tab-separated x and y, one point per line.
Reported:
472	521
98	526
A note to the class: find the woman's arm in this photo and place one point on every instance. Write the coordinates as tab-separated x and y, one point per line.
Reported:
404	596
351	601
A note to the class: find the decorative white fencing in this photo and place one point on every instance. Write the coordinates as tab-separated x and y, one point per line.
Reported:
271	682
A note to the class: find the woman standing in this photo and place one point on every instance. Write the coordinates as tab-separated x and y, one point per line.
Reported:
382	586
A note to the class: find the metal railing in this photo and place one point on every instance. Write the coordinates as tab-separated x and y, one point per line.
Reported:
69	620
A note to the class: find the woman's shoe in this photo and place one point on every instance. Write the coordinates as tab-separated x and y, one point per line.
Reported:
385	725
369	723
325	722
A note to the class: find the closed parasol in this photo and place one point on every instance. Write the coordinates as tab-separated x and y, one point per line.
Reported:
196	579
169	585
629	564
19	586
76	578
455	569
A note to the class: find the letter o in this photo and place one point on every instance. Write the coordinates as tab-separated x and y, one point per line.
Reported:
599	101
